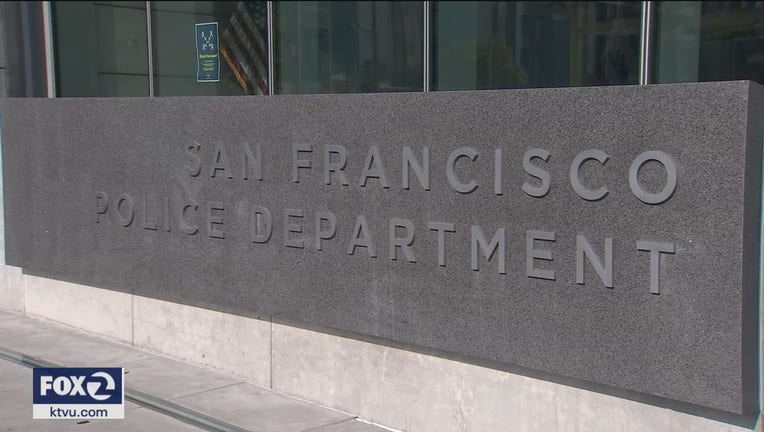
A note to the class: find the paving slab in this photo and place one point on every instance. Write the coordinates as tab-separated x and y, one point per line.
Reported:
16	402
257	409
351	425
64	346
167	379
141	419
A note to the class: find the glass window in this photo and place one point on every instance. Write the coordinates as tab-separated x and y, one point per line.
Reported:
348	47
709	41
497	44
242	47
101	48
22	50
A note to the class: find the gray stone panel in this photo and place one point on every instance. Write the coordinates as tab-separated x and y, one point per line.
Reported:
692	346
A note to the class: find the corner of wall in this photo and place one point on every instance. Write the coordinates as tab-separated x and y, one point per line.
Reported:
12	292
95	310
229	343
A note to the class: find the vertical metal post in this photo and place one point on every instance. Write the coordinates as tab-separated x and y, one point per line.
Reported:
50	72
646	50
761	303
150	47
426	46
271	90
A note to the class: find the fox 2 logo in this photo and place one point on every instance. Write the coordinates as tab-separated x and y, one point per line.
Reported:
78	386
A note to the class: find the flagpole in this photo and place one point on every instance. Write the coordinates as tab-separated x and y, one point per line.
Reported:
150	52
426	47
270	48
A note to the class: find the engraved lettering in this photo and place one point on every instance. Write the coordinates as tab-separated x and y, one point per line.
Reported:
362	238
405	242
251	163
262	225
325	231
125	201
605	272
298	163
575	181
462	152
531	254
373	168
213	220
497	244
422	172
145	222
195	168
537	172
184	226
336	166
220	163
442	228
290	228
668	165
498	187
166	214
101	205
656	249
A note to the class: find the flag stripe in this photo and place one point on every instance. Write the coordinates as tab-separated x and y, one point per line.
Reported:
246	34
236	69
245	49
241	10
246	45
247	60
233	47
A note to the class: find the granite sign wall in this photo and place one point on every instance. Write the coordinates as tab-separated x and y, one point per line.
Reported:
600	235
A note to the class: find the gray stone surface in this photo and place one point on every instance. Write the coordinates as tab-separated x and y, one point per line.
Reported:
168	379
64	347
695	343
260	410
351	425
140	419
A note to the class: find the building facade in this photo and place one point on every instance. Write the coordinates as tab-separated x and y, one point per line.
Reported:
110	49
450	216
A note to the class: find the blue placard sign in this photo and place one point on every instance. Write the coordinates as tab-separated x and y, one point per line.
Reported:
207	52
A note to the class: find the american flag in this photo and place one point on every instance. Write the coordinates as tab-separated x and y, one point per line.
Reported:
244	48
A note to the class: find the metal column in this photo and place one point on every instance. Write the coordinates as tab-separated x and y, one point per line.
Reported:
645	43
426	46
150	47
50	71
271	90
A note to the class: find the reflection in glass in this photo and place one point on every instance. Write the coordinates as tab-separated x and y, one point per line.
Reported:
347	47
22	50
243	47
709	41
101	48
496	44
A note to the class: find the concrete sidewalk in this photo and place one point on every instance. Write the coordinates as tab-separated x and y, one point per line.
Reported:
240	404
